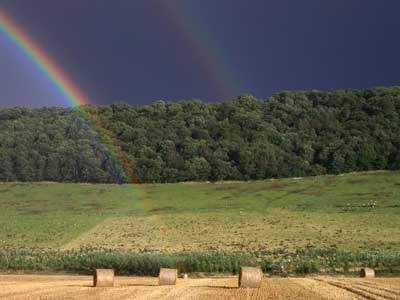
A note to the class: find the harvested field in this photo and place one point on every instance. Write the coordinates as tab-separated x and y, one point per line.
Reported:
34	287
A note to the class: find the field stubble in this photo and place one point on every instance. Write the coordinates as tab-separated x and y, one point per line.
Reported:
28	287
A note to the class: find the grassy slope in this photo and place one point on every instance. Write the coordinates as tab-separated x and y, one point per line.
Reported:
49	215
292	213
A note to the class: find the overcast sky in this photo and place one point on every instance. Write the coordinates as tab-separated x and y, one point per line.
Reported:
145	50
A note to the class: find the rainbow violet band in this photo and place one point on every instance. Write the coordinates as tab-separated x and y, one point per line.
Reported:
43	61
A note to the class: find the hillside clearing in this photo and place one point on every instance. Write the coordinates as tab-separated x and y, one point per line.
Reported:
352	211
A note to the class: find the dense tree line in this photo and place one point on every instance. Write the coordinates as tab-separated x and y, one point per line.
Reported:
290	134
52	144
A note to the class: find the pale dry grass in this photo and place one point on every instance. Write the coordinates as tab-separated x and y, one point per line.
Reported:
323	211
239	231
30	287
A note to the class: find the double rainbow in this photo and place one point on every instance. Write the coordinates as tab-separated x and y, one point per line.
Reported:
211	57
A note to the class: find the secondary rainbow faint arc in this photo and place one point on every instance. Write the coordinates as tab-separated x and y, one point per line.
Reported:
43	61
212	57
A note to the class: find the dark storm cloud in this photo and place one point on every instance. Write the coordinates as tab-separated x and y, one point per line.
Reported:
133	51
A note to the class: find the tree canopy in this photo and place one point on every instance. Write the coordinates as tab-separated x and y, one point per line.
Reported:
296	133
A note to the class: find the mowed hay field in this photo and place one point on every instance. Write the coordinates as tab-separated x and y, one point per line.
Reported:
28	287
352	211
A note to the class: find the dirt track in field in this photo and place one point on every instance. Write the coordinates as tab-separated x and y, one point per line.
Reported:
38	287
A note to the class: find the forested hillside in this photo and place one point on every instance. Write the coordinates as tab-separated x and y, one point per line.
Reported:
289	134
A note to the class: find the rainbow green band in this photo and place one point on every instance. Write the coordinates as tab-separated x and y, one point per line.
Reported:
43	61
211	56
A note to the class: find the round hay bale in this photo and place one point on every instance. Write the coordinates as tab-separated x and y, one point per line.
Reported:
367	272
103	278
250	277
167	276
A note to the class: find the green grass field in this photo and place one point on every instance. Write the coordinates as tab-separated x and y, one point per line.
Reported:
353	211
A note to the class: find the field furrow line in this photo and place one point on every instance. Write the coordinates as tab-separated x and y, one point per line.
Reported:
389	289
379	288
146	288
326	290
359	291
376	290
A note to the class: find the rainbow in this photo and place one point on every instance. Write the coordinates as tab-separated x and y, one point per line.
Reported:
70	92
212	57
43	61
53	72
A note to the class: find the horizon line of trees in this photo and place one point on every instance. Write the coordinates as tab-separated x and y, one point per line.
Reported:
291	134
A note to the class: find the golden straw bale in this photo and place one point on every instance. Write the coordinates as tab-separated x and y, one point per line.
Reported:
250	277
367	272
103	278
167	276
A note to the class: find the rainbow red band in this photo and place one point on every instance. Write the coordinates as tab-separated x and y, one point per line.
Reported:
43	61
211	57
